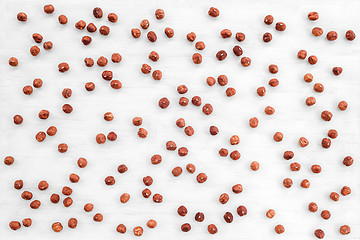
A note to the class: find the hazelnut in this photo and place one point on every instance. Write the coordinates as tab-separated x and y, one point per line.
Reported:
137	121
34	50
308	77
116	57
240	37
82	162
279	229
74	178
9	160
62	19
269	110
332	133
261	91
37	37
185	227
154	56
348	161
313	207
317	31
295	167
190	168
86	40
124	198
350	35
280	26
237	188
171	146
228	217
35	204
241	210
63	67
305	183
88	207
100	138
345	191
54	198
183	151
342	105
80	25
191	37
102	61
326	116
97	12
18	119
98	217
112	17
48	45
270	213
62	147
273	82
196	100
325	214
237	50
159	14
221	55
230	92
254	166
245	61
21	16
326	142
121	228
234	140
213	130
316	168
207	109
267	37
135	32
43	185
108	116
278	137
147	180
313	16
109	180
51	131
157	198
226	33
182	211
201	178
337	71
334	196
319	233
287	182
197	58
104	30
142	133
332	36
310	101
235	155
146	193
303	142
18	184
200	45
57	227
152	36
212	229
199	217
72	223
302	54
224	198
151	223
27	222
169	32
223	152
89	62
156	159
49	9
253	122
312	59
268	20
13	62
122	168
26	195
213	12
318	87
345	229
66	191
144	24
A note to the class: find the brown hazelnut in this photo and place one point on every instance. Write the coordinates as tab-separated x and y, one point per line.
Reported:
235	155
242	211
182	211
268	20
237	50
156	159
116	57
74	178
273	82
267	37
270	213
332	36
34	50
142	133
305	183
109	180
18	119
348	161
319	233
146	193
334	196
342	105
207	109
146	69
313	207
183	151
169	32
325	214
280	26
308	77
89	62
121	228
21	16
112	17
48	45
62	19
303	142
189	131
98	217
54	198
180	123
326	115
318	87
228	217
37	37
212	229
222	80
144	24
224	198
313	16
97	12
116	84
261	91
135	32
230	92
171	146
82	162
326	143
28	90
67	108
310	101
151	36
245	61
27	222
151	223
35	204
86	40
18	184
302	54
317	31
104	30
269	110
287	182
13	62
26	195
221	55
345	229
234	140
80	25
201	178
43	185
44	114
49	9
337	71
332	133
137	121
213	130
66	191
254	166
237	188
157	198
213	12
72	223
147	180
316	168
8	160
197	58
253	122
240	37
191	37
102	61
62	147
226	33
57	227
100	138
88	207
200	45
190	168
273	68
138	231
350	35
157	75
223	152
67	92
199	217
312	59
345	191
154	56
124	198
278	137
279	229
295	167
108	116
63	67
122	168
196	100
159	14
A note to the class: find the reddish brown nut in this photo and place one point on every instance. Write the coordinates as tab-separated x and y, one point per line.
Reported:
67	92
8	160
80	25
86	40
267	37
348	161
122	168
182	89
49	9
268	20
221	55
305	183
312	59
310	101
157	75
74	178
235	155
151	223
62	147
151	36
222	80
237	188
48	45
345	190
21	16
325	214
112	136
237	50
89	62
116	57
278	137
26	195
269	110
196	100
104	30
183	101
124	198
245	61
57	227
97	12
62	19
13	62
326	115
108	116
159	14
228	217
254	166
102	61
280	26
54	198
146	193
302	54
303	142
313	207
67	108
135	32
332	36
261	91
326	143
270	213
201	178
116	84
67	191
154	56
169	32
226	33
98	217
121	228
144	24
28	90
37	37
100	138
137	121
112	17
350	35
253	122
334	196
242	211
138	231
313	16
189	130
273	82
223	152
183	151
230	92
185	227
318	87
190	168
234	140
182	211
295	167
199	217
273	68
191	37
35	204
156	159
197	58
142	133
316	168
180	123
88	207
200	45
18	184
34	50
148	180
207	109
213	12
317	31
171	146
72	223
287	182
43	185
212	229
157	198
44	114
27	222
332	133
308	77
82	162
240	37
18	119
146	69
224	198
109	180
319	233
279	229
63	67
337	71
342	105
345	230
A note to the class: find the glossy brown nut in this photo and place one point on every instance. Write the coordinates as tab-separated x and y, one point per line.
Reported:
240	37
230	92
63	67
191	37
8	160
13	62
80	25
234	140
273	82
279	229
350	35
146	193
100	138
62	19
326	115
148	180
88	207
345	191
137	121
334	196
312	59
183	151
122	168
57	227
97	12
295	167
201	178
199	217
318	87
313	207
116	57
303	142
142	133
267	37
37	37
159	14
305	183
261	91
151	36
34	50
226	33
171	146
28	90
169	32
21	16
67	191
112	17
82	162
308	77
157	75
313	16
278	137
224	198
325	214
228	217
235	155
212	229
43	185
102	61
348	161
157	198
18	119
345	230
156	159
310	101
67	108
49	9
254	166
253	122
337	71
182	211
245	61
319	233
108	116
316	168
317	31
186	227
197	58
180	123
287	182
196	100
104	30
54	198
237	188
213	12
221	55
109	180
189	131
35	204
74	178
135	32
332	133
26	195
237	50
326	143
200	45
302	54
222	80
124	198
332	36
223	152
268	20
18	184
27	222
342	105
242	211
48	45
89	62
121	228
154	56
151	223
72	223
207	109
270	213
86	40
190	168
280	26
98	217
144	24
